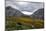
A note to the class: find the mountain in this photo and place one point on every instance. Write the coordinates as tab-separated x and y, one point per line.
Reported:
9	11
14	12
39	13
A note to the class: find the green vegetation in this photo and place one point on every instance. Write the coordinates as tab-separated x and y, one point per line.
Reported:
25	23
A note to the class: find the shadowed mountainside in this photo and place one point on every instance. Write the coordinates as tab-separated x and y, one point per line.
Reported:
12	12
39	13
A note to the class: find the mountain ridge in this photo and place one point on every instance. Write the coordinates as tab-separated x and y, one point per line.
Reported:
12	12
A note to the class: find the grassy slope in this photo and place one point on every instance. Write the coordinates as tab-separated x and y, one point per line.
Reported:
26	22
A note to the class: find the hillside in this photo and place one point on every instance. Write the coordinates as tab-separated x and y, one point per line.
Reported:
39	14
12	12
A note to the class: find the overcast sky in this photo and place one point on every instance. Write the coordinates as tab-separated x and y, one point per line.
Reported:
24	6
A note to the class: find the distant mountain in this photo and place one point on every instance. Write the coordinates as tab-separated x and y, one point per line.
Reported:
12	12
39	13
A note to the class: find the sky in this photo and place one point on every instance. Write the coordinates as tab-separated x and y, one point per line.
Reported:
27	8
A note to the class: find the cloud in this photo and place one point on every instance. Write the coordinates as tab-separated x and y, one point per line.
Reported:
25	7
27	13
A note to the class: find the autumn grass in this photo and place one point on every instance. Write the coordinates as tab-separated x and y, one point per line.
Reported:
27	22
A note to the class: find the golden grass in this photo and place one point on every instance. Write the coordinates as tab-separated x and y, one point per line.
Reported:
37	23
